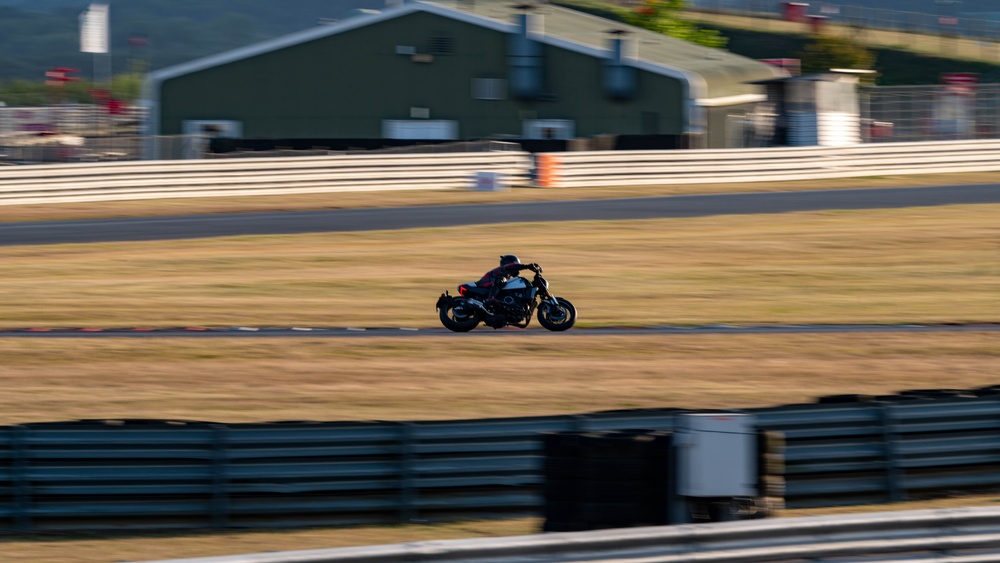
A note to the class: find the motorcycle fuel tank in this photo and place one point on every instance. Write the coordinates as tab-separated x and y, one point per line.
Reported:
516	283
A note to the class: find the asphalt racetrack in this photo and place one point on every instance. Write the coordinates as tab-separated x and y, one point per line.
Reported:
296	222
360	332
219	225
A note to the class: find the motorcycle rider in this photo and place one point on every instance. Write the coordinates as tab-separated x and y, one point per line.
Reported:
494	279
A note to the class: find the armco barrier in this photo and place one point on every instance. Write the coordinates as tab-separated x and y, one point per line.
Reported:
295	175
636	168
108	181
967	535
160	474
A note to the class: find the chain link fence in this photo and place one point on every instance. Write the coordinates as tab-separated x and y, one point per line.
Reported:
888	114
70	148
896	114
78	133
930	113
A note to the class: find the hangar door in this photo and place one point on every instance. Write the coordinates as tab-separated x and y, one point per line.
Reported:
423	129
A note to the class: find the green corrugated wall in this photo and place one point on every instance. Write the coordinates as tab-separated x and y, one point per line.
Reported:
344	85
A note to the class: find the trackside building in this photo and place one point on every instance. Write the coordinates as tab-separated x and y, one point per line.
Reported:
459	71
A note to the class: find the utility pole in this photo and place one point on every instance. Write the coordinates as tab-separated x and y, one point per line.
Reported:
94	39
56	78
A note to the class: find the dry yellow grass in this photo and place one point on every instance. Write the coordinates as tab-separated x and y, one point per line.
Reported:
469	376
919	265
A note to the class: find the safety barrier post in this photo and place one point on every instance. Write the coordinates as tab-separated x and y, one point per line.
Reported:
893	476
407	488
19	479
220	479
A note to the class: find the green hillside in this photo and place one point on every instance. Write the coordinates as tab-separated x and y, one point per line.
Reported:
901	58
38	34
895	66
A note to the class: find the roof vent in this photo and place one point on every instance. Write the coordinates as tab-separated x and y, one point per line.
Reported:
620	76
525	54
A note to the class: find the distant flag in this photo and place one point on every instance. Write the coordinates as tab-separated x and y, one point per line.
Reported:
138	40
94	29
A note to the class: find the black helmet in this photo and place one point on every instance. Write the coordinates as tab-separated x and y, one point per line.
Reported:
508	259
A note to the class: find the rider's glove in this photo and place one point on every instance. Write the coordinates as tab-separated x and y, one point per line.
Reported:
533	266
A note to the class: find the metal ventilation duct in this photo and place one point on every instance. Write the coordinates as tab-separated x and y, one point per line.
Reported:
620	76
525	56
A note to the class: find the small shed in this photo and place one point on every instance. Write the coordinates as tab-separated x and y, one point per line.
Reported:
814	109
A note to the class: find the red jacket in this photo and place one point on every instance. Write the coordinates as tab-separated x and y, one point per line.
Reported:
501	273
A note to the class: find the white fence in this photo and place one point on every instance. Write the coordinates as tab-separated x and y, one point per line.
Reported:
963	535
259	176
633	168
268	176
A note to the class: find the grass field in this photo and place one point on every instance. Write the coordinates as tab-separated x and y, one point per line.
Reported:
469	376
913	265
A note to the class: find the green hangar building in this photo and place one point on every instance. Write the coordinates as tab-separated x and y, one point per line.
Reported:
460	70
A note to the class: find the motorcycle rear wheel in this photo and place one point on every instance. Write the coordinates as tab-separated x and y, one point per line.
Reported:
559	318
458	319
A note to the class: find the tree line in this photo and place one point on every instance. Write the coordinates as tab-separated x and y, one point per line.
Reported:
144	35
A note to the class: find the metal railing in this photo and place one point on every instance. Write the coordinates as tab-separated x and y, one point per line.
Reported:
968	535
175	474
632	168
107	181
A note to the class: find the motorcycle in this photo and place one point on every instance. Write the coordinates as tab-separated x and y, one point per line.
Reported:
516	302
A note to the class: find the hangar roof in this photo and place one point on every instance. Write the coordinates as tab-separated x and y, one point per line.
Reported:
723	74
713	77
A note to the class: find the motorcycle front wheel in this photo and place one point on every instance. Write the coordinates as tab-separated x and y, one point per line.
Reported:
557	318
458	319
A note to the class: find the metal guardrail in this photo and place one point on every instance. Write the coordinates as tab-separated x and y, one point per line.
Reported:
110	181
162	474
957	535
634	168
267	176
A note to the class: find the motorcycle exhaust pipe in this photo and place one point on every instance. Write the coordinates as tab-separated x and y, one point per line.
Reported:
492	319
477	303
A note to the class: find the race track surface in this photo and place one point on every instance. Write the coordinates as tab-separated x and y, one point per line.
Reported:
374	332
